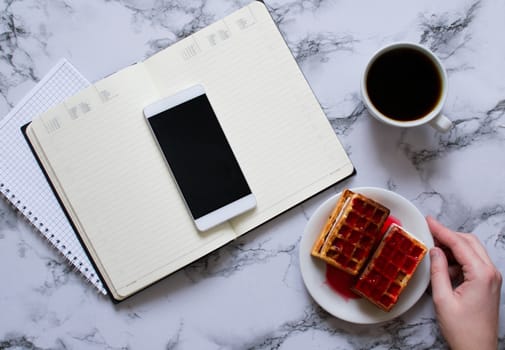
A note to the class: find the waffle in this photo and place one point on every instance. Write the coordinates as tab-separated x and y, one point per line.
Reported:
390	268
351	233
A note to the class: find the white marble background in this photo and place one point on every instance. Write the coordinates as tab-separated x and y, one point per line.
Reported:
249	295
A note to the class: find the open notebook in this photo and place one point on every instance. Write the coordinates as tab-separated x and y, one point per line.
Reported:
98	151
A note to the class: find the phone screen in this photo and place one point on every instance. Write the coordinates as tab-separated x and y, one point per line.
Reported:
200	158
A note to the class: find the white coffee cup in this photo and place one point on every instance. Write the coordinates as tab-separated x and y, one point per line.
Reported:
398	58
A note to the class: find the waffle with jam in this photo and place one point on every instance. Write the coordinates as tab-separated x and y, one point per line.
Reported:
351	233
390	268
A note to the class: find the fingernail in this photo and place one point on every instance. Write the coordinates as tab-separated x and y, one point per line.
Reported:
435	252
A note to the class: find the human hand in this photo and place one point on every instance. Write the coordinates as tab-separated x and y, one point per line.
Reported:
467	314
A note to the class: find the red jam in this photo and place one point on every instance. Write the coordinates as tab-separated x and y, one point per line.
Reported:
389	221
340	282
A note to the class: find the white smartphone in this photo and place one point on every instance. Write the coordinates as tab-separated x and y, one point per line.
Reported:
199	157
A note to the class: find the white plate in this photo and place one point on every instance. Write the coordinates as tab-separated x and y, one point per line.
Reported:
360	310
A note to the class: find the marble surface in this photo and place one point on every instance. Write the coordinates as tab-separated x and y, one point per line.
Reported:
249	294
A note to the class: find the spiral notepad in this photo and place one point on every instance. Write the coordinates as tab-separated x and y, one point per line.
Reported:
23	184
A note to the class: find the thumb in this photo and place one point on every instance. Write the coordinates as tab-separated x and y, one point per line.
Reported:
440	281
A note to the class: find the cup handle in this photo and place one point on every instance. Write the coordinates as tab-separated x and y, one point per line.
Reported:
441	123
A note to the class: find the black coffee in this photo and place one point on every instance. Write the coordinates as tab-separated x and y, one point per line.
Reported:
404	84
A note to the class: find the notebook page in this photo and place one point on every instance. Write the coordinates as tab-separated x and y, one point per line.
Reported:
275	126
114	181
22	182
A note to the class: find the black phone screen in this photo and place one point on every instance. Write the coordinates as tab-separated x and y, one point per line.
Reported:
199	155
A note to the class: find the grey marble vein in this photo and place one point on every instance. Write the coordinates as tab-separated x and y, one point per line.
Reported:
180	18
319	46
395	334
446	33
467	131
343	125
58	275
174	342
237	256
8	219
14	341
16	64
94	338
282	10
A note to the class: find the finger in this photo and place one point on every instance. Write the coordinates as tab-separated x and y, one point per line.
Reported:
479	248
463	251
448	254
471	240
441	286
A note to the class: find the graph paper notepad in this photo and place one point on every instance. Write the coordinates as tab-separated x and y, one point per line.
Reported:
111	176
22	182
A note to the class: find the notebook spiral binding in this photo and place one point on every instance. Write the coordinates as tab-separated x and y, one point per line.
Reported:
29	217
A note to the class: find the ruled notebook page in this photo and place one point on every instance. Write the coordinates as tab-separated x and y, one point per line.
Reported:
275	126
114	182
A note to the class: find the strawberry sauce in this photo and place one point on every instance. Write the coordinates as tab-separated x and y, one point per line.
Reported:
389	221
340	281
